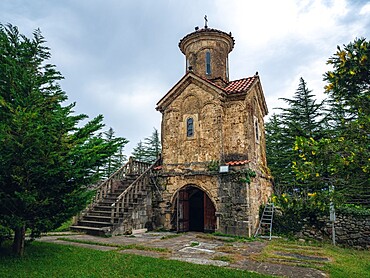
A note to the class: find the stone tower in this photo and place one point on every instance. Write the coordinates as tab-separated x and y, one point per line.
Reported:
206	53
213	143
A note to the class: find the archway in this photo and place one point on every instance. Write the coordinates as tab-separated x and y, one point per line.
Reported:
194	211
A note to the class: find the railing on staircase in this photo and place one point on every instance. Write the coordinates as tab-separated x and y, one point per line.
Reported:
139	186
132	167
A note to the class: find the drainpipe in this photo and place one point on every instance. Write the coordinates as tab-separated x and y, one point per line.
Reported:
249	210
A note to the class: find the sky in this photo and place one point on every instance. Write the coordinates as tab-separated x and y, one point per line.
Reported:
120	57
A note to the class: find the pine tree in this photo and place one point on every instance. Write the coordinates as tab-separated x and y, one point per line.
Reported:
152	146
279	153
115	161
302	118
139	152
47	159
150	150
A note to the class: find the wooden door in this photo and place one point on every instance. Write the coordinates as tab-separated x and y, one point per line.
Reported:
183	211
209	214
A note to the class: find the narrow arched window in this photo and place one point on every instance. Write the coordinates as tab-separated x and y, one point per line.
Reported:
227	68
208	62
189	127
257	130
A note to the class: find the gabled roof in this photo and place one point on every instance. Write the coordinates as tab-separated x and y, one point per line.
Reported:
236	87
241	85
187	79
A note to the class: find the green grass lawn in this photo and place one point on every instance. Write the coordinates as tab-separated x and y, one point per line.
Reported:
343	262
53	260
348	262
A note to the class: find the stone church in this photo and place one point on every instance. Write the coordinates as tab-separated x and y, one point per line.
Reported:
212	174
213	140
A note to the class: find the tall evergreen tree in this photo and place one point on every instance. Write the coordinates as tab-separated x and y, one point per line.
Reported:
116	160
152	146
46	159
302	118
150	150
279	154
139	152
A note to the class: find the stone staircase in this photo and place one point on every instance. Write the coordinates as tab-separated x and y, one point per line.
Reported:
121	204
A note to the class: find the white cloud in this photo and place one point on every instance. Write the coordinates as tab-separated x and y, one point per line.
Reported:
285	40
365	10
128	105
120	57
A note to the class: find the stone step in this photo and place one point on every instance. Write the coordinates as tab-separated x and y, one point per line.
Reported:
98	218
97	224
91	230
100	212
114	194
104	208
109	200
105	203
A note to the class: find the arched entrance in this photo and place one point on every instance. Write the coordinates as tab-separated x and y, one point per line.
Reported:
194	211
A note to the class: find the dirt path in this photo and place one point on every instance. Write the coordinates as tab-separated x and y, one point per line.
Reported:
190	247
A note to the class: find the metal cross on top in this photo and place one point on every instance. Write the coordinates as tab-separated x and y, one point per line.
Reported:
205	22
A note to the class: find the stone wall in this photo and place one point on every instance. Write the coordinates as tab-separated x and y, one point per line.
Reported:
205	145
236	202
350	230
234	206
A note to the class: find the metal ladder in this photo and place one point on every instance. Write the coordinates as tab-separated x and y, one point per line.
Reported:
266	221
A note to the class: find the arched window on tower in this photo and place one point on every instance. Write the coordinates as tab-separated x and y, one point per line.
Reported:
227	68
208	62
190	127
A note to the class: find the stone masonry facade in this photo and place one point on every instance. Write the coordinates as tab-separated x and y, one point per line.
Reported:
207	122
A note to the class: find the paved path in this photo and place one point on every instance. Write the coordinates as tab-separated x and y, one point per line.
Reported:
194	248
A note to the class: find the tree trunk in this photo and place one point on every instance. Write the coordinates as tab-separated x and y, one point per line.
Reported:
19	238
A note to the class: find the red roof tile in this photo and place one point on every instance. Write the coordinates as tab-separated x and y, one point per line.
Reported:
235	163
157	168
239	86
233	87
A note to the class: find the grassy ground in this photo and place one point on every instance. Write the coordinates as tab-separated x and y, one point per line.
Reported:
338	262
65	226
52	260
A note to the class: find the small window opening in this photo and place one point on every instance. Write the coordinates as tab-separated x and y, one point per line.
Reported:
256	130
208	62
188	66
189	127
227	68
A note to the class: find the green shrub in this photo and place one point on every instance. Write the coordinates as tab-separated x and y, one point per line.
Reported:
5	234
355	210
292	212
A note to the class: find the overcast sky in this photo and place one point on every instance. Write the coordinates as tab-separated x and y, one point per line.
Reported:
119	57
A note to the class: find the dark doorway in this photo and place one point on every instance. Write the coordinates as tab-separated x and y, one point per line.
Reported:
194	211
